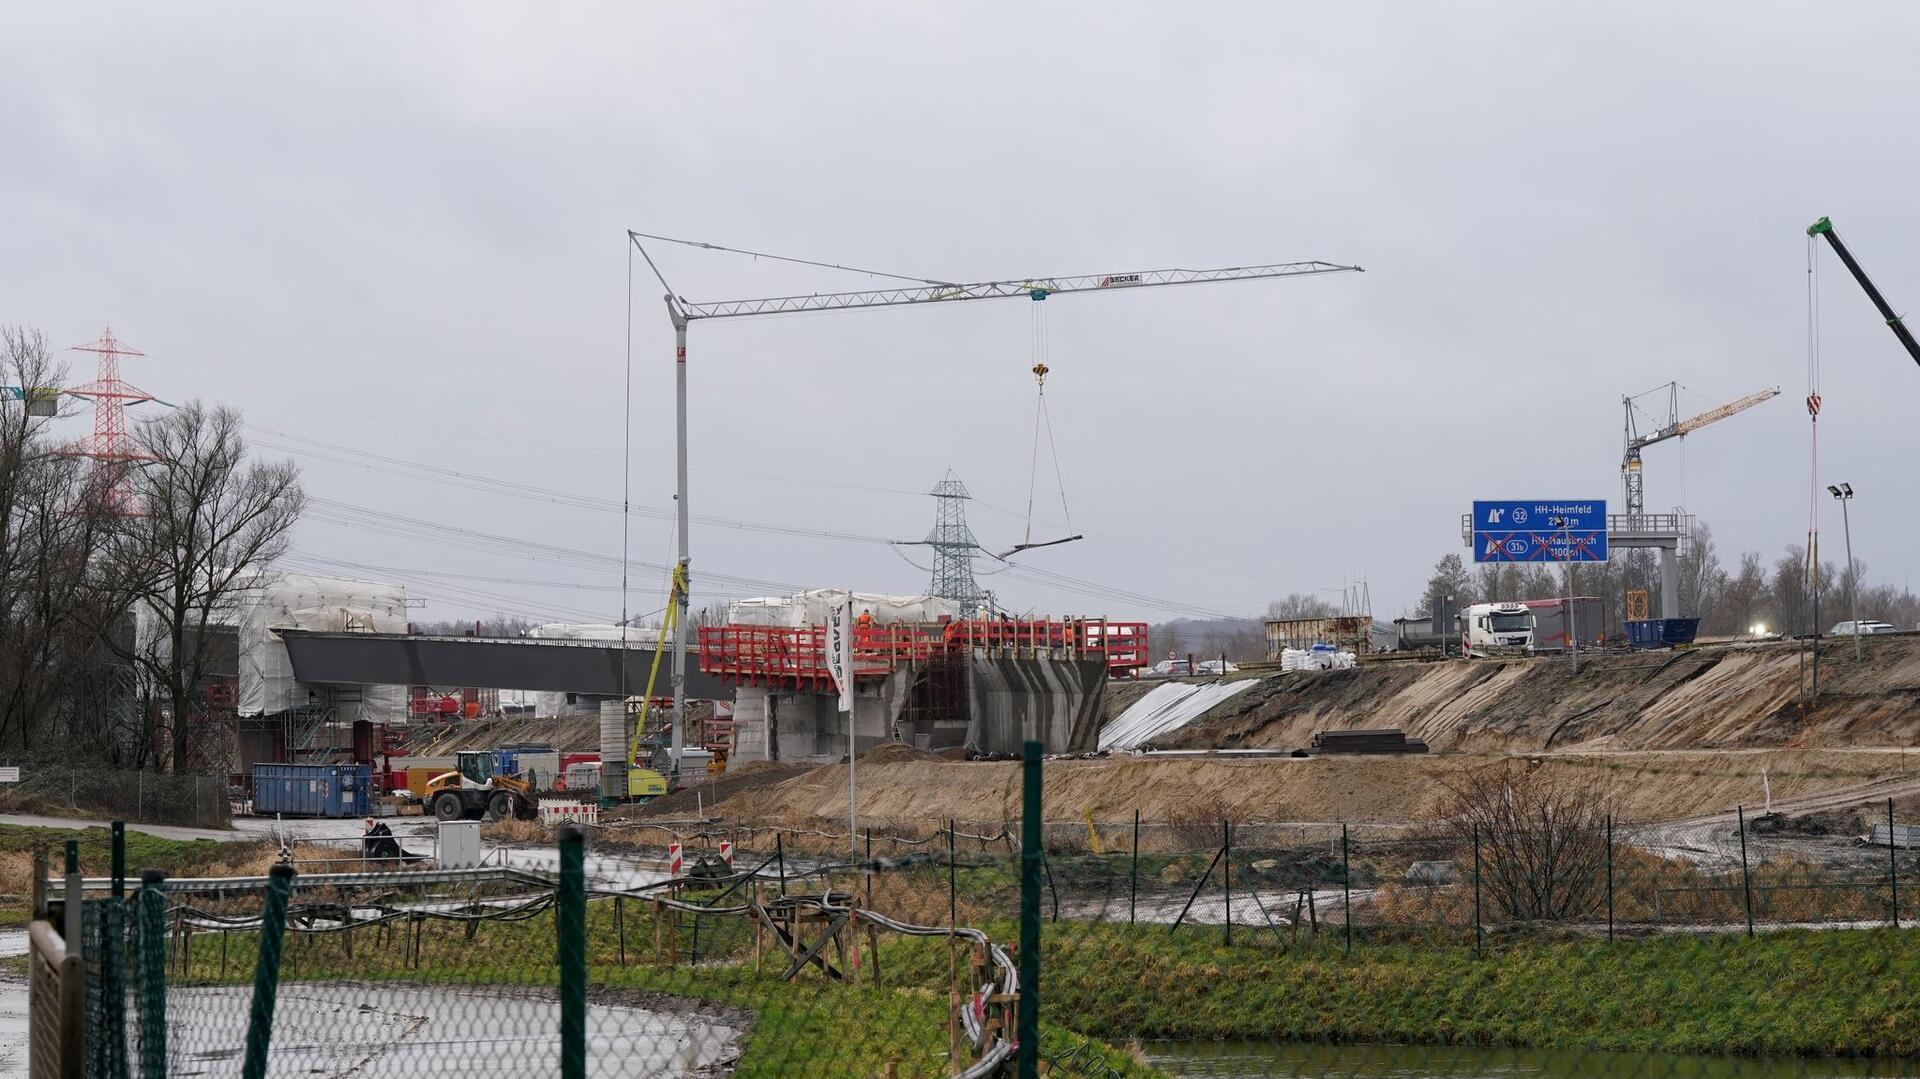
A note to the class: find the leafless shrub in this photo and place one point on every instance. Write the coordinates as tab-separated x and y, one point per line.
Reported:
1543	844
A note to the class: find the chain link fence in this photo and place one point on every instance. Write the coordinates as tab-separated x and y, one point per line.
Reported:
145	797
1124	947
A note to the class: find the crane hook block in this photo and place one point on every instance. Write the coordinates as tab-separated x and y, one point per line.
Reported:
1040	374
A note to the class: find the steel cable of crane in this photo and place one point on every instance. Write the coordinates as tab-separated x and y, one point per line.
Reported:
771	258
1042	420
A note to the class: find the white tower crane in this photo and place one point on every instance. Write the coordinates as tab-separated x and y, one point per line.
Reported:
683	313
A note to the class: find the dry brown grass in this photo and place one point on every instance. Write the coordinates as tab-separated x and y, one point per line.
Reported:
514	830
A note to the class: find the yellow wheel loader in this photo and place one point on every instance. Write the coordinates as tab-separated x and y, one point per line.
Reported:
473	792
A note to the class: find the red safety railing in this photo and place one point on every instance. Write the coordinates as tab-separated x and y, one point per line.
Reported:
795	657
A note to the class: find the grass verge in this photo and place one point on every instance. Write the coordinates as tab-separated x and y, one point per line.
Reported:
1795	992
175	857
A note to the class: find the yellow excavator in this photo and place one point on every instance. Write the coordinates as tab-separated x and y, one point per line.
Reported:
473	792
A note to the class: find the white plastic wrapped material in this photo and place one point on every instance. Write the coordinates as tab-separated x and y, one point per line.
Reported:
279	601
641	632
1319	658
810	608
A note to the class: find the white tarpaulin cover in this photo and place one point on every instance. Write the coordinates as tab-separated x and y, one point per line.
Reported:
640	633
300	601
549	703
1315	659
1167	708
810	608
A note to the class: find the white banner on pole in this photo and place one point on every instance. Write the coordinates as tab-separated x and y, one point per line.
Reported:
840	650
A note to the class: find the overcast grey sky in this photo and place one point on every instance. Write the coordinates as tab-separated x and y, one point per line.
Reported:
400	228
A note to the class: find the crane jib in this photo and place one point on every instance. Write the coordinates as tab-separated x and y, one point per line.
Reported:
1031	287
1824	227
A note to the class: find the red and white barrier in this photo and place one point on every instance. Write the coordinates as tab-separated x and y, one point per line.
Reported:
726	852
552	813
676	865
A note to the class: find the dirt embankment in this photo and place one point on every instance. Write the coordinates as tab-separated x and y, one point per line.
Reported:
1649	786
1732	696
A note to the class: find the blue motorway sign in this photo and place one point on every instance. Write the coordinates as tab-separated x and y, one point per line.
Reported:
1540	531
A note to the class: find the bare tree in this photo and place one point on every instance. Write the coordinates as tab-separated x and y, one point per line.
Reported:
1542	842
1301	605
59	601
1703	582
45	543
211	523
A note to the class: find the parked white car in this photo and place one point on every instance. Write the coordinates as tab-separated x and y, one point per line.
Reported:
1862	628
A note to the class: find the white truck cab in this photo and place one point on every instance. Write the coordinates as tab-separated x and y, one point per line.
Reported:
1490	628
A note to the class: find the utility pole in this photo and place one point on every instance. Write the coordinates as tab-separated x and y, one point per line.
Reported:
1566	569
1844	492
683	312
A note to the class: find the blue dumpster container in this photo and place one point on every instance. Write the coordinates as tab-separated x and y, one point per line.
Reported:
313	790
1661	632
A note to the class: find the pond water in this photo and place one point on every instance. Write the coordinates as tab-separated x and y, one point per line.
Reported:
1292	1060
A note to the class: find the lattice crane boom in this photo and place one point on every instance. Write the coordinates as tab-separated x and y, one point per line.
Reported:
1011	288
683	312
1674	428
1713	415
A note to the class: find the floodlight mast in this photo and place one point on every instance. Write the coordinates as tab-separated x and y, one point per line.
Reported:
683	313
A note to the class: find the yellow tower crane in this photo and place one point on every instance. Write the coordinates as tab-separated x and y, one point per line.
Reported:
1675	427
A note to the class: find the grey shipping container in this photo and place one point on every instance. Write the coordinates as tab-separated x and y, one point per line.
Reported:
1351	632
542	768
312	790
1550	622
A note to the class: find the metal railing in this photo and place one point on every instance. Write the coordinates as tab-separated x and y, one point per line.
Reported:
1619	526
796	655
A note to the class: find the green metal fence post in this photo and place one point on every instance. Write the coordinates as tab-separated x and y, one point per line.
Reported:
113	958
1746	877
1046	870
1226	877
1609	878
153	974
1893	867
119	832
780	852
73	906
1346	887
1479	927
570	921
1027	1020
266	972
1133	871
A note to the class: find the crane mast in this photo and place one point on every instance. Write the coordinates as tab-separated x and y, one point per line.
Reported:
1675	427
683	313
1824	227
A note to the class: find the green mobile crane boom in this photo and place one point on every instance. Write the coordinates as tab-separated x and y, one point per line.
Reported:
1824	227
